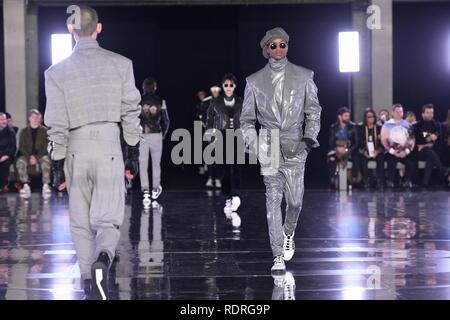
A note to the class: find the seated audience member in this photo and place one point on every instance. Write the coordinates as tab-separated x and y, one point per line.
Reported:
383	116
11	124
445	143
343	145
33	155
411	117
427	132
397	137
371	148
7	151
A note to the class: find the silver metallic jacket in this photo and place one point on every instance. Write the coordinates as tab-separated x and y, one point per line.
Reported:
299	99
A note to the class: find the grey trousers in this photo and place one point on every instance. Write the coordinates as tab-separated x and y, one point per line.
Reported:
289	180
152	143
94	172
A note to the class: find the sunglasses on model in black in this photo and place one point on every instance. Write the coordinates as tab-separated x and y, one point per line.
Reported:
228	85
273	46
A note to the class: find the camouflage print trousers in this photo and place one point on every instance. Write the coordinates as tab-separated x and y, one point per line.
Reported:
24	169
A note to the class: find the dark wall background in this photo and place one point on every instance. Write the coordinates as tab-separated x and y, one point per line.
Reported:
2	64
422	56
190	48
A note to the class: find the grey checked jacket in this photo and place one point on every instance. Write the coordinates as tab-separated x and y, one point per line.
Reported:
92	85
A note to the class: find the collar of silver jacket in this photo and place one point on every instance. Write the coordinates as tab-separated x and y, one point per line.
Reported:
86	43
278	65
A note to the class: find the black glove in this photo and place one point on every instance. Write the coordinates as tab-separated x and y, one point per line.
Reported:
132	162
58	173
309	143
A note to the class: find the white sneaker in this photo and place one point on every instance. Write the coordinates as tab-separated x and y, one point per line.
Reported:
218	183
227	208
46	191
146	200
209	183
25	192
156	207
289	286
235	203
235	220
278	265
156	192
289	247
278	280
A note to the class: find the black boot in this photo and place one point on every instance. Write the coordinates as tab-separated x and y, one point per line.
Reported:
87	288
367	183
100	270
389	184
380	184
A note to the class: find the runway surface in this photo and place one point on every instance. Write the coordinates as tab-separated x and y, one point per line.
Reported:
359	245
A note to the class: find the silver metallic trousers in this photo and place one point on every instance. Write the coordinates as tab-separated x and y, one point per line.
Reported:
289	180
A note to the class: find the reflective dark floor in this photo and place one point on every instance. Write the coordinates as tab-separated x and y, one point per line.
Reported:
362	245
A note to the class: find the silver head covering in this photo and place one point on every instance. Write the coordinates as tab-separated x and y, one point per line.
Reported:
272	34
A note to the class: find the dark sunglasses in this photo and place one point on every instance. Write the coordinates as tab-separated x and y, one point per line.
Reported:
273	46
228	85
368	117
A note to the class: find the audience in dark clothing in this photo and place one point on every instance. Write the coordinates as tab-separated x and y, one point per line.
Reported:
7	151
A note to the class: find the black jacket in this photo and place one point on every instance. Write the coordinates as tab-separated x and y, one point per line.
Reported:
444	138
7	143
423	128
352	144
154	116
26	147
220	116
362	143
201	111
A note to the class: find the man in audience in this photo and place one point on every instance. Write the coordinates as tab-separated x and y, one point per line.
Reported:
343	144
427	132
383	116
33	155
411	117
397	138
445	143
7	151
11	124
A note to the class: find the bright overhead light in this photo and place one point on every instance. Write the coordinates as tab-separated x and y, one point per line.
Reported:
349	51
61	47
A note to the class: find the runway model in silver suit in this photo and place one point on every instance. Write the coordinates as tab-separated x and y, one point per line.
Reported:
282	96
88	95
